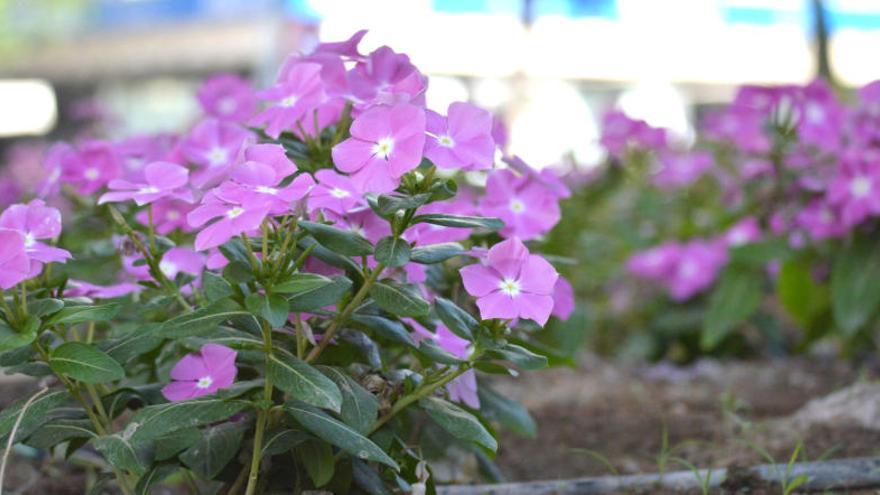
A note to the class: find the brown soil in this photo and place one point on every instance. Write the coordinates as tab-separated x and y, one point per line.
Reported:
606	418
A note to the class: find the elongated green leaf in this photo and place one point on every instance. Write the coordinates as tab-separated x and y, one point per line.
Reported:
121	452
44	307
171	444
230	337
301	282
734	301
11	339
855	284
388	204
60	430
338	433
508	412
360	408
153	422
136	343
216	287
341	241
281	441
520	356
460	221
85	363
304	382
317	457
201	320
320	297
35	415
399	299
367	479
71	315
458	422
436	253
393	251
436	353
155	475
457	320
217	447
383	327
800	295
271	307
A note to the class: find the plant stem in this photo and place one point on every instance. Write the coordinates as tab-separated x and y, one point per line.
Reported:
151	229
418	395
345	314
262	415
300	337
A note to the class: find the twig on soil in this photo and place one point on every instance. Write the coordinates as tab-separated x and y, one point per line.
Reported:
842	474
11	441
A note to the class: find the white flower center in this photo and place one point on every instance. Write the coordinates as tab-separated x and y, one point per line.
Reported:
738	238
384	147
234	212
204	382
148	190
688	269
289	101
226	105
172	215
168	268
29	240
267	190
339	193
445	141
359	230
860	187
517	206
815	113
55	175
825	216
217	156
91	173
510	287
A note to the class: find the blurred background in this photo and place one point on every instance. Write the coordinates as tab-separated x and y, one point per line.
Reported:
550	68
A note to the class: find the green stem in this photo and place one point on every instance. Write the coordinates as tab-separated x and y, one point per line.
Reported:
262	416
418	395
10	315
346	313
151	229
300	337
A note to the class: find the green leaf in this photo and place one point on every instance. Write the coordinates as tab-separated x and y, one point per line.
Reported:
520	356
320	297
85	363
436	253
437	354
301	282
328	256
171	444
389	204
201	320
216	287
367	479
855	284
460	221
155	421
340	241
799	294
458	422
360	408
60	430
123	453
736	298
441	189
338	433
71	315
229	337
393	251
457	320
35	415
317	457
383	327
155	475
135	343
508	412
44	307
235	250
217	447
281	441
10	339
399	299
300	380
271	307
238	272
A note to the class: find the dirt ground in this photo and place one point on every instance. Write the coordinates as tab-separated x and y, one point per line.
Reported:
607	418
604	418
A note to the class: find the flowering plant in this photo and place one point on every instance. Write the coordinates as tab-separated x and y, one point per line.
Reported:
307	296
761	232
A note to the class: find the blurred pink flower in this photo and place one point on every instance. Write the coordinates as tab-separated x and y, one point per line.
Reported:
227	97
202	373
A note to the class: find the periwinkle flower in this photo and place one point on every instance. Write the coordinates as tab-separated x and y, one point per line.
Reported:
161	180
227	97
214	146
197	374
528	208
462	139
15	266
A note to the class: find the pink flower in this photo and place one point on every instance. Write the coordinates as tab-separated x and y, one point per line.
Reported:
820	116
15	266
293	99
214	145
856	191
347	48
461	140
202	373
81	288
512	284
462	389
168	215
36	221
91	167
696	269
743	232
139	151
547	176
380	72
563	299
679	170
237	213
182	260
257	182
272	155
385	143
161	180
619	133
334	192
820	220
53	166
227	97
655	263
527	207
